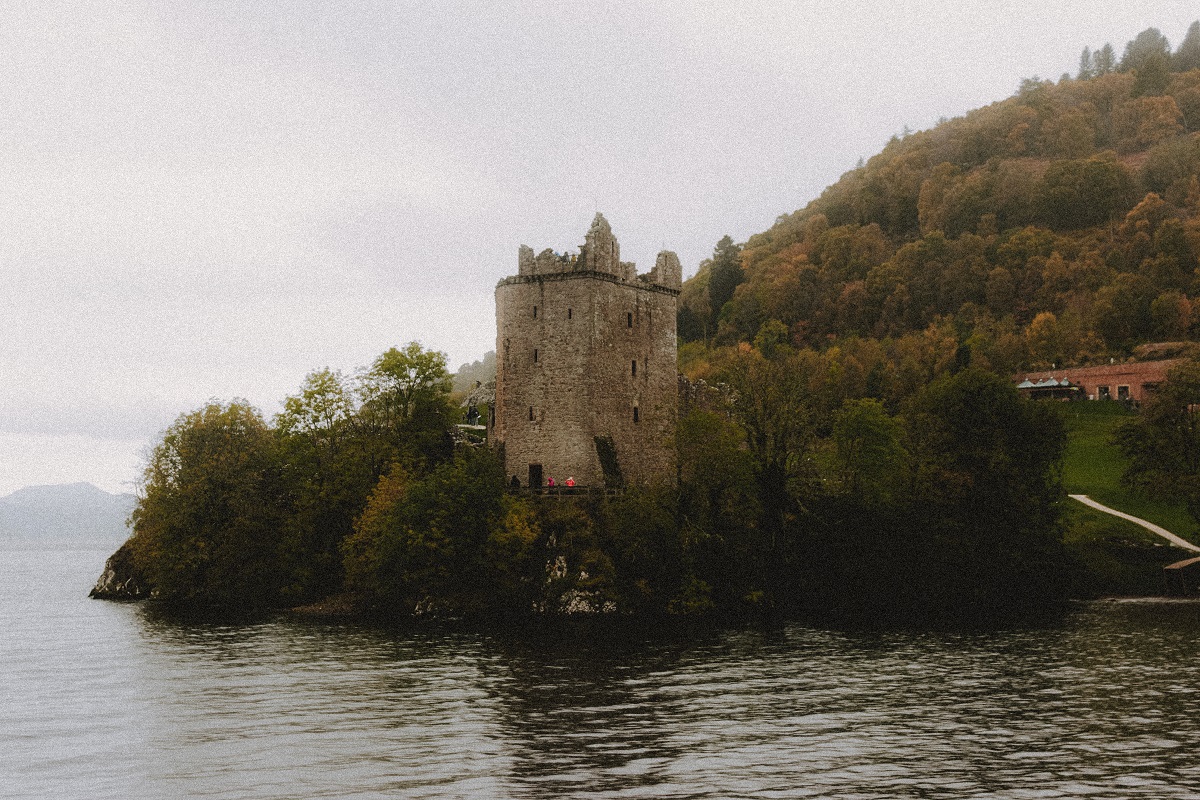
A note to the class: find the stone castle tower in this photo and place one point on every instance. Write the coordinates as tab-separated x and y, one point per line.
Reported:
586	378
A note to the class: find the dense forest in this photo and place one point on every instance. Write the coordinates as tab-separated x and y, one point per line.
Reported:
853	443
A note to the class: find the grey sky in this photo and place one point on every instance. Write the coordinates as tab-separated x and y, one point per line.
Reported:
210	199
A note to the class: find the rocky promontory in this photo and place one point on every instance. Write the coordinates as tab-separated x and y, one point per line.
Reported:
120	579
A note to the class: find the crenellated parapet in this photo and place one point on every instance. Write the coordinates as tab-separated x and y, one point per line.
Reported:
599	256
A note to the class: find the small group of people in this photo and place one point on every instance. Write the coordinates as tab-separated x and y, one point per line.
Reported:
569	484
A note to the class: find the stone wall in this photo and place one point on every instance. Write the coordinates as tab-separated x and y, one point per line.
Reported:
586	348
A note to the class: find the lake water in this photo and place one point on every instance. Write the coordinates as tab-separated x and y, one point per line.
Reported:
104	700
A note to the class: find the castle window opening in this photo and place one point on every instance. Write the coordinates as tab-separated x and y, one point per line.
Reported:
1103	393
535	355
635	414
531	413
568	313
629	320
1122	392
535	312
633	365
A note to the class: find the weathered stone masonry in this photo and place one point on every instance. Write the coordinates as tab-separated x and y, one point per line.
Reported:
585	350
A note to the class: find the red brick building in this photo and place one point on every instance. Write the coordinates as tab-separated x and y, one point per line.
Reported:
1107	382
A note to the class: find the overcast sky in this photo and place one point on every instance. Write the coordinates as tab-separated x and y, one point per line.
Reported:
211	199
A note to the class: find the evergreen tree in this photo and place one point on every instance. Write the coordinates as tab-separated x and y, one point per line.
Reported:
726	275
1187	57
1153	76
1086	69
1145	45
1104	60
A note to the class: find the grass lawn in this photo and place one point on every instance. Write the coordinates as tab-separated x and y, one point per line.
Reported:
1117	557
1093	466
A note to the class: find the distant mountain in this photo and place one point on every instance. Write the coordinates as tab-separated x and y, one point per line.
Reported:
75	513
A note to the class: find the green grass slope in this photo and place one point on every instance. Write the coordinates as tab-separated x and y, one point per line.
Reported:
1115	557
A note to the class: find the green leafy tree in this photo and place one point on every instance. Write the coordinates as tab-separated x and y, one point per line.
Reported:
986	492
1086	192
869	452
448	541
405	408
326	477
207	523
401	382
1163	443
718	507
1153	76
772	402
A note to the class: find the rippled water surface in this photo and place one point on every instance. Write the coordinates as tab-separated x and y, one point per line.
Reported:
102	700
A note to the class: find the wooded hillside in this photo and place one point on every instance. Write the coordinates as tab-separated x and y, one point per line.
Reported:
1058	226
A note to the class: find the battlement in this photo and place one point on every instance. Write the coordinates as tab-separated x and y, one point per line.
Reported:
598	256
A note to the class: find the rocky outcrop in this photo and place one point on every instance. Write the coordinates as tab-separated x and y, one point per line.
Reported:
120	579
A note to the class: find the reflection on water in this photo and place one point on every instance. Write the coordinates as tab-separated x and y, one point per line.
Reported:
107	700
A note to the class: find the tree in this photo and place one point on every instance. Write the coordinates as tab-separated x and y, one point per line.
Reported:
1086	192
1086	69
726	274
1153	76
400	382
1045	340
1163	443
327	478
1146	45
869	452
1104	60
1187	57
207	523
772	401
986	492
450	540
406	410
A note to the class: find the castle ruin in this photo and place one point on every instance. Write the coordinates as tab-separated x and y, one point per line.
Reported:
586	379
